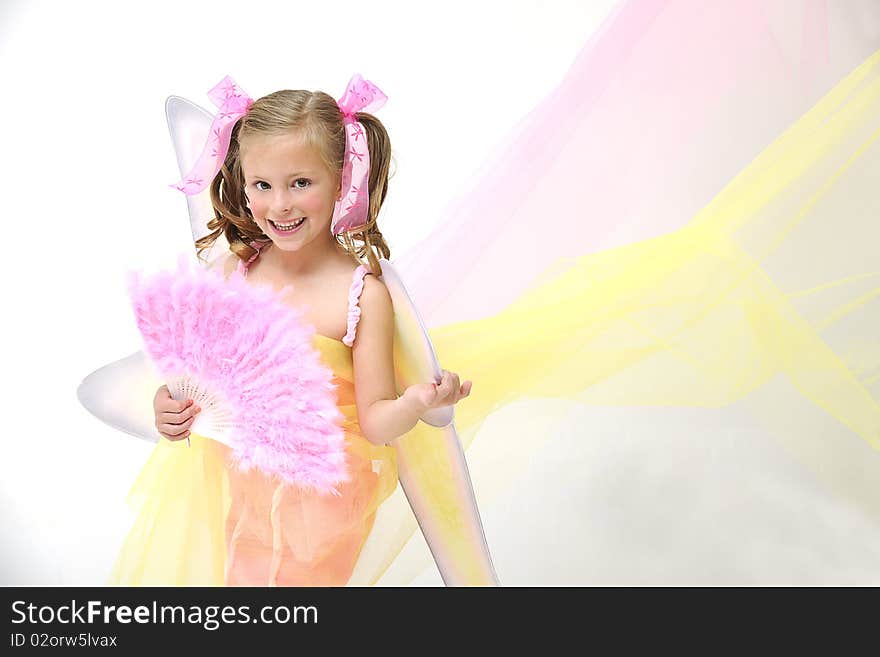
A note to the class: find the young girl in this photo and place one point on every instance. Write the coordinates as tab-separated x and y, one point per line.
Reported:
297	196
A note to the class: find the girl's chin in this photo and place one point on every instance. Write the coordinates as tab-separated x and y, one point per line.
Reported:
284	245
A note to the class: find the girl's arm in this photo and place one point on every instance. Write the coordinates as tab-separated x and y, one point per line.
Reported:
382	415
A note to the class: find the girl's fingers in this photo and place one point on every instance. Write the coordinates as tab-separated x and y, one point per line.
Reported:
163	399
173	417
171	420
443	386
450	390
174	406
175	428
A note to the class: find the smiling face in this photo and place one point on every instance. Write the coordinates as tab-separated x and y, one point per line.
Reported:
285	181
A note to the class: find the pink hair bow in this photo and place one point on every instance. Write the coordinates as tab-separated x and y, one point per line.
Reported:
232	104
351	208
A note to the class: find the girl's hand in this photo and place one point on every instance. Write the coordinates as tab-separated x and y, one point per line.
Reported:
173	418
426	396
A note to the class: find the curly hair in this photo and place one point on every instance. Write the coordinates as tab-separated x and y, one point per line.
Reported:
316	116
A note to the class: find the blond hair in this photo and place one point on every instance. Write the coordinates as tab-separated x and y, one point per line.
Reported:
316	116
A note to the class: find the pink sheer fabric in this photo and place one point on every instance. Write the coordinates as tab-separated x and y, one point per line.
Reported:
669	97
352	207
232	103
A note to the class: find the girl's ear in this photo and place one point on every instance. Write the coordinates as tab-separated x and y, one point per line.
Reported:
338	185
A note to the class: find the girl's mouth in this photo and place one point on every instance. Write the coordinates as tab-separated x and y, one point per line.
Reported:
288	228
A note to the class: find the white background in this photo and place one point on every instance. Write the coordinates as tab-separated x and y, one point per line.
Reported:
85	171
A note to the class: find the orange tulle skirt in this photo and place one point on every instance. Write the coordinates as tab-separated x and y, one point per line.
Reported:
202	522
278	534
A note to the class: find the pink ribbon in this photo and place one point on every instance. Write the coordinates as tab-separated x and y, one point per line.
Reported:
232	103
351	208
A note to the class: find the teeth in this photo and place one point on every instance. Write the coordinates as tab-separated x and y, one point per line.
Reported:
289	226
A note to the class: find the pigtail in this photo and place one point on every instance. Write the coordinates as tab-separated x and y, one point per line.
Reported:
232	218
369	236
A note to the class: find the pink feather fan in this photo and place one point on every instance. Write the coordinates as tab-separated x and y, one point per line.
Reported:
248	360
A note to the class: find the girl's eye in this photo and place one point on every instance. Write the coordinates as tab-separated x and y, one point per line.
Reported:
296	183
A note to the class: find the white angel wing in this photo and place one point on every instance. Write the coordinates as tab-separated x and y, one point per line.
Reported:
121	394
189	125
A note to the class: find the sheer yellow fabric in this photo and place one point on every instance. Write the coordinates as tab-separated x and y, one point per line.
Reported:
768	296
778	275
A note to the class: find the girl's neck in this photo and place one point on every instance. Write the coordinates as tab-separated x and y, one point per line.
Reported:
304	262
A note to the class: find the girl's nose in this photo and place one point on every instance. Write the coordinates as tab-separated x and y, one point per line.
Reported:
281	205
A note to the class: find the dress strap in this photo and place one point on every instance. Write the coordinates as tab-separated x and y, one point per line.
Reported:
243	266
354	310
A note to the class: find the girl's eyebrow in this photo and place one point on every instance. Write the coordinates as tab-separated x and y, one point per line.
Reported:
292	175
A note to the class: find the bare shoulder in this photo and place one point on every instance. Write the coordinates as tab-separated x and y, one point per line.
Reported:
376	323
375	297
